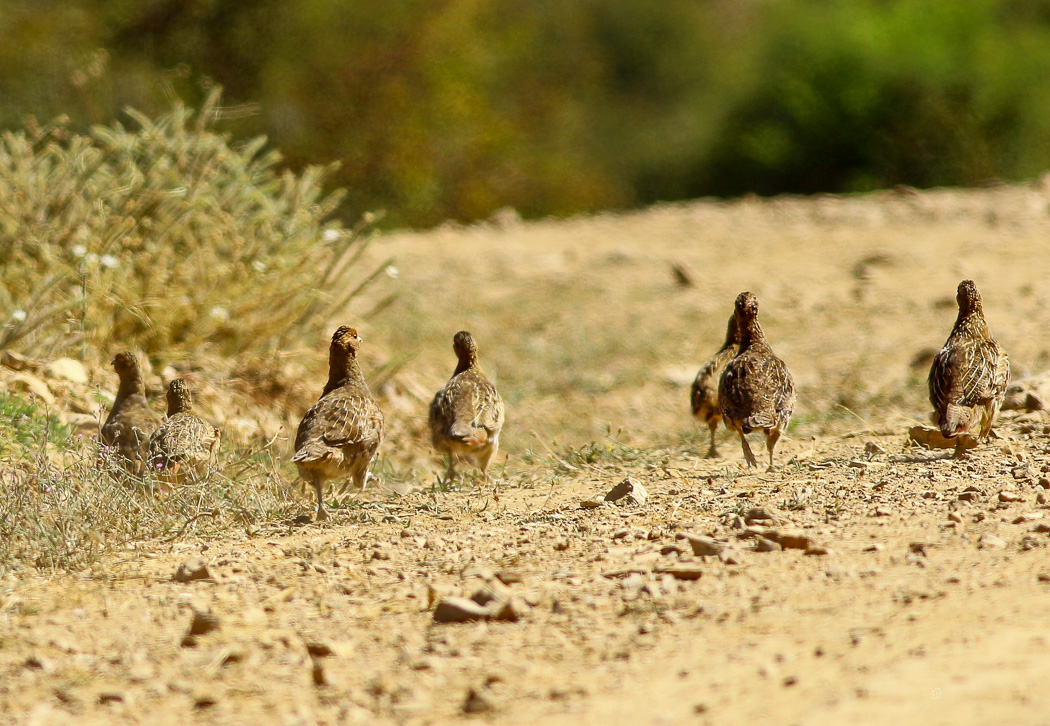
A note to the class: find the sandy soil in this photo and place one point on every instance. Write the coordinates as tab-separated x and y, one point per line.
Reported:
919	594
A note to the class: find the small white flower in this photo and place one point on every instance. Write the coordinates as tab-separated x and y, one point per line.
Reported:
392	272
109	261
259	266
79	250
219	313
19	315
331	235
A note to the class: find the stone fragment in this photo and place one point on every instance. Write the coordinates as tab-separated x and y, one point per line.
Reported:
630	491
705	546
192	571
459	610
991	542
66	369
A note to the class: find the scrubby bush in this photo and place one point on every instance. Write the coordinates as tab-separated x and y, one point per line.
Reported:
163	235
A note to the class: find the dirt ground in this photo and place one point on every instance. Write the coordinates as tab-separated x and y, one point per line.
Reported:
901	586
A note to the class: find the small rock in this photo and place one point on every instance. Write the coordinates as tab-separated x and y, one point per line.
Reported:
991	542
730	556
111	696
1040	498
871	448
317	673
66	369
884	512
630	490
766	545
762	514
30	384
705	546
478	700
192	571
1044	483
592	503
203	622
817	550
1041	528
510	577
789	540
459	610
318	649
688	572
511	610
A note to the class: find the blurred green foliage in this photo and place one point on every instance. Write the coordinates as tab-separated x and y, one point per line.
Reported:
454	108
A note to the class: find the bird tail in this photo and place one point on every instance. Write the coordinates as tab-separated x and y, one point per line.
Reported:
955	420
311	451
762	420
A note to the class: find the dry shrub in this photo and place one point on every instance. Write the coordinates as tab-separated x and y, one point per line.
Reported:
165	237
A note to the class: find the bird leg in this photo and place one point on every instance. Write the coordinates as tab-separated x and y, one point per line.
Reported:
322	513
751	461
771	441
712	452
960	452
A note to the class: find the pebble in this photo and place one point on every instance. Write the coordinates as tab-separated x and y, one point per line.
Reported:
684	571
629	490
66	369
766	545
478	700
991	542
192	571
511	610
592	503
705	546
203	622
1009	496
459	610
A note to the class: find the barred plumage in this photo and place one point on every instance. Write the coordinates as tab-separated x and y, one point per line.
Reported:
183	448
340	434
970	374
756	390
704	394
466	415
131	421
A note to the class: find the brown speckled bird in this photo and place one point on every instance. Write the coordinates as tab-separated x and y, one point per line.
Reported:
704	394
969	375
466	415
340	433
183	448
755	390
131	421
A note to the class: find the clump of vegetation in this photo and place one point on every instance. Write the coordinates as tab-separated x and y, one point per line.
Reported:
65	504
166	237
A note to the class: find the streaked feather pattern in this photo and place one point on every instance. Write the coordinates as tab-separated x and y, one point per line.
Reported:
756	391
970	374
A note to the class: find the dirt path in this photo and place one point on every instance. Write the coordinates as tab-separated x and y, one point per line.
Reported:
922	599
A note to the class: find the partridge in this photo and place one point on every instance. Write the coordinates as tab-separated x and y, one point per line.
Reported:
131	421
183	448
969	375
704	394
755	391
340	434
466	415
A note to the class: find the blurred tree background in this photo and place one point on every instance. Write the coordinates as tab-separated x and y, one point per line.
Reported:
452	109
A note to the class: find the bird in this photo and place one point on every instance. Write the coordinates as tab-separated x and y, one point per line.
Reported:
466	415
704	393
183	448
130	421
340	434
756	390
970	374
